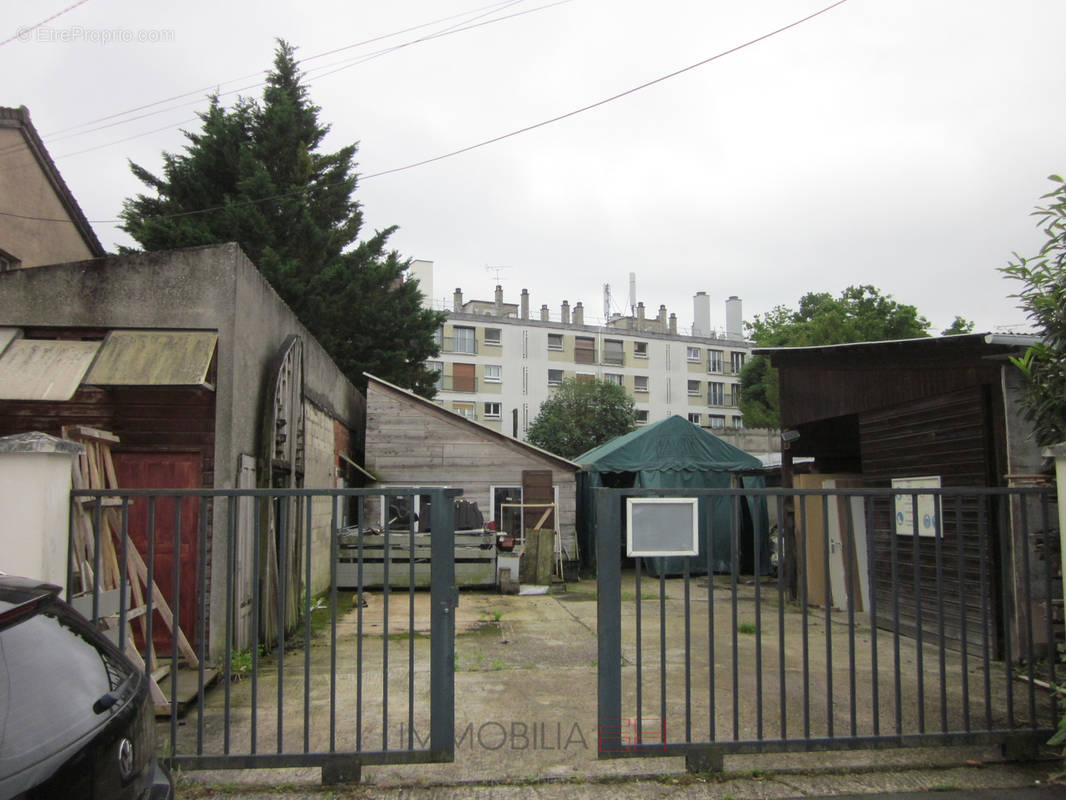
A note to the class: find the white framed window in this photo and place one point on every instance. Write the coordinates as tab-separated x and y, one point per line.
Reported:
438	367
555	377
642	416
613	377
555	341
738	422
493	410
613	352
640	349
464	410
692	354
715	393
640	383
694	388
464	339
493	373
714	360
736	362
396	511
716	420
694	418
493	336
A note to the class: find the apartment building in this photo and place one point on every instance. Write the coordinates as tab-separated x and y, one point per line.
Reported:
498	362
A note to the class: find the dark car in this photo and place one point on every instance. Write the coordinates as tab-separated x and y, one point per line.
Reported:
75	719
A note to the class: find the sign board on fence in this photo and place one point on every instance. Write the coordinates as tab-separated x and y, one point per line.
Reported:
928	506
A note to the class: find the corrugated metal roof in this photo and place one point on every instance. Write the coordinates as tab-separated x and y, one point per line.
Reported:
154	358
7	336
44	369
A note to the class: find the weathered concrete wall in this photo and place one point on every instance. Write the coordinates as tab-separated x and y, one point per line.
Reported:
412	442
25	187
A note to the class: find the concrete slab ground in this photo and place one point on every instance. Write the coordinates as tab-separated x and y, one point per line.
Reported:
525	700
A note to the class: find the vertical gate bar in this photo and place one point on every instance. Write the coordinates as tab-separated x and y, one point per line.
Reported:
871	582
72	549
334	554
282	606
662	646
963	622
361	523
982	535
608	621
125	579
757	519
782	691
849	527
1052	653
734	570
896	667
257	506
640	648
175	621
149	589
231	570
307	501
919	652
804	619
711	716
941	657
828	618
411	633
442	626
688	654
385	630
97	557
1023	507
1008	604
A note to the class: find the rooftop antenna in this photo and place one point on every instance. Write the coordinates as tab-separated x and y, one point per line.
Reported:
633	293
606	301
497	270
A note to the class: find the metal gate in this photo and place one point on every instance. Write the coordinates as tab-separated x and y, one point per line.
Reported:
942	631
353	682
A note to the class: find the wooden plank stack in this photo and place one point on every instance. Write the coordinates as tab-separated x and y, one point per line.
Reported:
95	469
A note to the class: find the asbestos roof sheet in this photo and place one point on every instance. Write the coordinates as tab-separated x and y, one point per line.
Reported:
7	336
44	369
154	358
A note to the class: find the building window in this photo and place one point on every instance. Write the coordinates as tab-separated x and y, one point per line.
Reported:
694	388
736	362
714	360
738	422
694	419
464	410
715	393
642	416
692	354
492	410
492	373
640	349
555	341
506	511
640	383
585	377
716	420
438	367
612	377
438	337
463	340
613	353
463	378
555	377
492	336
584	350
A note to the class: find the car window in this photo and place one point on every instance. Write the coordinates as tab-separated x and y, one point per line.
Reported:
50	677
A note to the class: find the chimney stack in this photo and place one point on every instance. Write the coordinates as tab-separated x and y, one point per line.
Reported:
525	304
579	313
499	300
661	319
544	313
458	301
701	314
734	318
673	324
640	316
566	312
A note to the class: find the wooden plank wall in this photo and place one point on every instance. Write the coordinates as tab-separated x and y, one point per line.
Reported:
946	436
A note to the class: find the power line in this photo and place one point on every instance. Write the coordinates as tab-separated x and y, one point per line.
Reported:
23	30
486	142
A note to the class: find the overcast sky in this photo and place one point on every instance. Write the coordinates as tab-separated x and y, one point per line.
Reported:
900	143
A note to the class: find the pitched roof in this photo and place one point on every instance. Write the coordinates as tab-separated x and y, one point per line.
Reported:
19	118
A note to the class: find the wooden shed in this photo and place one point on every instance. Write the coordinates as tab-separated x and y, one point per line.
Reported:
946	408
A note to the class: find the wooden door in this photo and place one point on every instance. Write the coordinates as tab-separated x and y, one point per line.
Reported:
166	471
537	488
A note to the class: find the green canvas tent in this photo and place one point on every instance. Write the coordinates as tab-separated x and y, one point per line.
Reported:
673	453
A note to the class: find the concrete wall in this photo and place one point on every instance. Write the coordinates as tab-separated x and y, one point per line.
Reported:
413	442
25	187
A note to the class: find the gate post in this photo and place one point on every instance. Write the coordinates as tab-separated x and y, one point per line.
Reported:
443	599
607	533
1059	453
